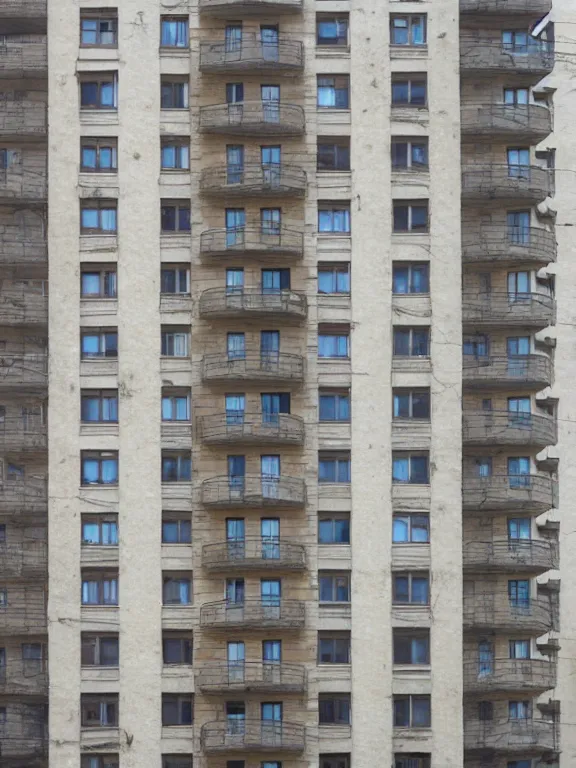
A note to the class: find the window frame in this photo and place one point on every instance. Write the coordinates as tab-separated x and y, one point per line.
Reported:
173	396
98	144
103	352
108	278
177	579
178	20
340	397
334	637
179	92
182	217
339	460
342	38
100	578
342	709
411	576
100	80
181	147
182	700
334	760
335	269
99	395
334	576
181	275
411	144
101	761
97	647
101	206
411	266
106	15
183	465
410	19
93	699
180	520
186	649
410	516
99	520
340	150
411	80
411	697
177	761
411	207
100	457
410	456
411	330
410	635
410	393
339	89
334	210
408	760
168	336
333	518
333	338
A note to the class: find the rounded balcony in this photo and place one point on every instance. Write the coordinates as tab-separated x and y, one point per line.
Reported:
242	8
254	180
492	428
251	676
523	372
494	309
239	428
22	120
25	613
17	249
19	186
253	614
532	676
253	491
502	554
27	58
276	367
23	308
23	560
535	493
23	434
506	7
253	118
252	736
254	554
526	183
252	54
226	303
23	497
253	242
522	121
497	612
523	736
502	245
28	677
488	56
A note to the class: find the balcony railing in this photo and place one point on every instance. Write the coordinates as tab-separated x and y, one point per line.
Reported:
23	59
239	428
257	676
489	310
252	242
253	614
517	736
24	184
23	307
257	554
520	371
488	55
231	302
505	182
252	53
495	675
506	7
239	8
493	428
527	120
517	555
24	677
252	736
25	612
253	118
25	559
22	433
22	119
23	370
508	245
254	180
23	497
278	366
497	611
535	492
254	491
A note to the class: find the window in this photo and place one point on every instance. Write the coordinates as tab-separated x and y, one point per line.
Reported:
98	283
409	29
177	761
334	587
3	533
99	343
173	92
333	91
334	709
99	405
333	154
175	154
518	162
410	588
519	764
334	528
476	346
175	217
99	155
410	529
98	217
410	217
334	467
519	710
411	711
100	91
411	404
99	588
174	32
175	342
270	221
410	467
3	600
99	650
176	466
177	710
99	467
236	346
332	30
99	30
99	761
176	405
334	648
334	761
175	280
334	405
411	646
334	278
101	530
333	218
333	342
411	342
3	159
176	530
99	710
518	41
485	710
519	593
410	277
409	154
516	96
412	760
176	590
519	649
519	529
176	649
409	91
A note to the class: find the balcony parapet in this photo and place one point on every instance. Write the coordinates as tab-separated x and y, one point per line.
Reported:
241	8
251	429
26	559
256	614
23	497
24	677
254	180
503	675
490	310
23	307
537	555
254	554
279	366
226	303
506	7
496	611
505	182
487	55
26	58
500	244
22	433
536	493
252	54
252	242
252	736
251	676
22	9
21	250
253	491
25	612
22	120
493	428
525	736
520	371
253	118
532	121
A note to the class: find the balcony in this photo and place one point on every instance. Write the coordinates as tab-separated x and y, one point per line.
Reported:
514	736
17	248
22	16
254	180
251	677
23	370
238	428
526	556
253	118
22	434
25	612
254	242
252	736
494	309
254	554
240	8
22	678
492	428
22	307
253	367
506	7
25	59
22	120
526	183
23	560
488	56
24	183
519	372
253	491
530	122
502	245
252	54
254	614
24	737
497	612
23	497
535	493
509	675
226	303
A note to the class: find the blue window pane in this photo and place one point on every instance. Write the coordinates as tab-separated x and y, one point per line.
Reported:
109	534
109	409
419	590
89	157
91	533
88	94
400	530
90	471
89	218
107	95
90	409
342	531
185	532
326	283
327	471
168	157
327	408
184	219
343	471
325	532
400	93
419	469
89	27
108	219
343	282
170	532
400	470
181	408
90	346
400	281
90	284
107	158
109	471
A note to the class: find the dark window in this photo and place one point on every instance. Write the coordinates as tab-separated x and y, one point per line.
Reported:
173	93
99	30
334	278
409	153
333	155
411	760
333	218
2	533
100	92
99	761
408	29
411	217
410	529
177	761
332	30
99	155
334	342
176	466
175	217
333	528
334	709
410	277
98	217
176	530
485	710
408	91
99	650
175	342
411	404
99	467
333	648
334	468
175	154
176	649
100	405
411	342
334	761
99	343
410	467
334	406
411	646
334	587
177	710
176	590
99	588
411	588
96	283
333	91
99	711
412	711
175	280
176	405
174	31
